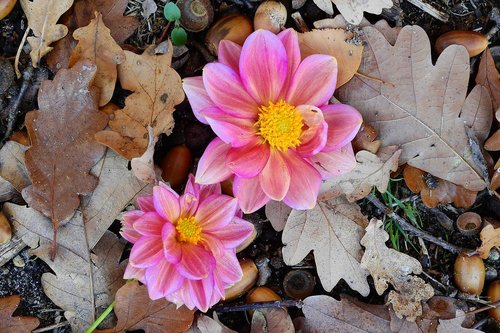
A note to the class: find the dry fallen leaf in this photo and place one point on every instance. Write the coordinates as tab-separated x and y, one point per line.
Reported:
332	229
12	165
435	191
42	18
156	90
144	166
96	44
455	325
353	10
365	139
272	320
337	43
490	237
390	266
205	324
422	107
16	324
324	313
371	170
63	146
426	323
493	143
135	310
488	76
277	213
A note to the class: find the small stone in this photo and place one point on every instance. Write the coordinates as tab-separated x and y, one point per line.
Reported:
18	261
494	255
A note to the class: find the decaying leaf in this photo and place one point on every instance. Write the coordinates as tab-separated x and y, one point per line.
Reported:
390	266
324	313
272	320
371	170
205	324
96	44
143	166
488	76
455	325
14	324
42	18
490	237
353	10
63	146
493	143
337	43
333	230
434	191
135	310
12	165
426	323
156	90
259	323
420	106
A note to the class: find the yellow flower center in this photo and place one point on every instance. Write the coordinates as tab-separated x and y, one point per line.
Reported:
280	125
189	230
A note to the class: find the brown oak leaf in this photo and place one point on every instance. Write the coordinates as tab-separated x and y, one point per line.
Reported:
42	18
63	146
490	237
157	88
135	310
455	325
96	44
423	108
14	324
488	76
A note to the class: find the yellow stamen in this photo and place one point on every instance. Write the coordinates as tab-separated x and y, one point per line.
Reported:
189	230
280	125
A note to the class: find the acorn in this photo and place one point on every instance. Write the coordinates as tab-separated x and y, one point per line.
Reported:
247	241
298	283
196	15
494	295
5	229
6	7
474	42
262	294
250	274
176	165
235	27
469	273
469	223
270	15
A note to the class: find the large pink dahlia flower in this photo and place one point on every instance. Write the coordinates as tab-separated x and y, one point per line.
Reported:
184	246
276	131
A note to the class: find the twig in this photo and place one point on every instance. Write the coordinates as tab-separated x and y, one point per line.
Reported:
18	53
484	308
262	305
440	15
50	327
410	228
99	320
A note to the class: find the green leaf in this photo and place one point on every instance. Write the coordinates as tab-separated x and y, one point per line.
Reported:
179	36
171	12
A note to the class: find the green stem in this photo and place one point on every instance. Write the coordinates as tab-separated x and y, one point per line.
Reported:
101	318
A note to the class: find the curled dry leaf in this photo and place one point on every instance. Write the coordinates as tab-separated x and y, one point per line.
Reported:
16	324
143	166
96	44
488	76
332	229
410	105
455	325
365	139
390	266
490	237
135	311
436	191
353	10
272	320
157	88
12	165
42	18
371	170
335	42
324	312
67	117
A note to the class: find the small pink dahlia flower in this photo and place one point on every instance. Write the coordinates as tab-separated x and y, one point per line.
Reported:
276	131
185	246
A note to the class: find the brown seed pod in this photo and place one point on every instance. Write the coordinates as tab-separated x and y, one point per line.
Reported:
6	7
196	15
5	230
298	283
235	28
494	295
270	15
474	42
250	273
176	165
469	273
469	223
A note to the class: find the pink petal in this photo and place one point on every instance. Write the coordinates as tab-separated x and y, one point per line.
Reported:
219	288
191	186
214	244
166	202
196	262
149	224
344	122
229	268
146	252
132	272
275	178
162	279
188	203
304	188
212	166
128	232
146	203
248	161
334	163
215	212
263	66
201	292
249	193
290	41
314	81
225	88
172	250
229	54
235	233
208	190
232	130
313	138
197	96
182	296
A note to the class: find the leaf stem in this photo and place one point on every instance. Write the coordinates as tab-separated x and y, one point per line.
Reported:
101	318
